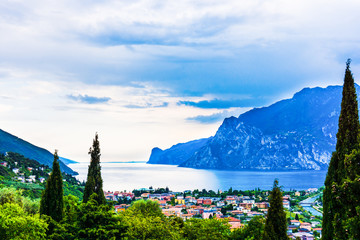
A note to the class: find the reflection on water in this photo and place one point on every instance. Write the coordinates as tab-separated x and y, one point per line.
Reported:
129	176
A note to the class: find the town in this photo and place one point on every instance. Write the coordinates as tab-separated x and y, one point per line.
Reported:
237	207
303	208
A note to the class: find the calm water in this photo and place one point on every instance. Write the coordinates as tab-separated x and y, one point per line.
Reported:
129	176
309	208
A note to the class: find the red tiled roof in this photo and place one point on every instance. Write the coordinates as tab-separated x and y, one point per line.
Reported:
232	219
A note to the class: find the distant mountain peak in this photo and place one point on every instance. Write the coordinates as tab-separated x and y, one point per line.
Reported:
292	134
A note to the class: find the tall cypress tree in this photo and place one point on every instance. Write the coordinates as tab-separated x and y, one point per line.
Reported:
94	181
52	202
334	197
275	225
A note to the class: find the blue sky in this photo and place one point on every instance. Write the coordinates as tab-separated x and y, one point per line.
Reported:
160	71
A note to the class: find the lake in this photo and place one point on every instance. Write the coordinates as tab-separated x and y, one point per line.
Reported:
129	176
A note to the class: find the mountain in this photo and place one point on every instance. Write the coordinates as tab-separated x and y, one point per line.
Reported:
67	161
11	143
177	153
292	134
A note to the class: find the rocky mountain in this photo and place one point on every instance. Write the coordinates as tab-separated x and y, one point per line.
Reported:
177	153
11	143
292	134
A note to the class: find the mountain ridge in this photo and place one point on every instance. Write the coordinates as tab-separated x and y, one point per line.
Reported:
298	133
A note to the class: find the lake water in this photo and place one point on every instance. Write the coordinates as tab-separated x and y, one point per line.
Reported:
129	176
310	208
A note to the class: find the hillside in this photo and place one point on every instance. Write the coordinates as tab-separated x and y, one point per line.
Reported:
11	143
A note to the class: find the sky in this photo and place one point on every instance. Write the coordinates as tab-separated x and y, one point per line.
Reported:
154	73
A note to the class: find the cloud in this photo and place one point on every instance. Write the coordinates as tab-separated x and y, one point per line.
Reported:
147	105
89	99
223	104
216	117
184	50
216	47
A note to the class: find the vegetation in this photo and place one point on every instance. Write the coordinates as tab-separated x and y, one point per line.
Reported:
341	195
94	181
19	216
52	198
275	225
33	189
253	230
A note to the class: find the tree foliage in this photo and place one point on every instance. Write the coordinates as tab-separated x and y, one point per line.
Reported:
275	225
15	223
94	183
204	229
51	203
253	230
342	189
19	218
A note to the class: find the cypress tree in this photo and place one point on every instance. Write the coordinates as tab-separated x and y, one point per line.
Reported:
275	225
335	193
52	202
94	181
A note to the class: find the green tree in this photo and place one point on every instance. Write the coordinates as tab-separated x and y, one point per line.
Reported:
145	220
94	182
151	227
52	202
203	229
88	221
16	224
253	230
336	188
98	221
68	228
349	199
12	195
145	208
275	225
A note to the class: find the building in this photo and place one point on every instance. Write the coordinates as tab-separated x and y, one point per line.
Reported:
305	225
286	204
145	195
121	207
4	164
246	206
234	222
21	178
302	236
312	190
220	204
295	222
172	211
262	205
230	200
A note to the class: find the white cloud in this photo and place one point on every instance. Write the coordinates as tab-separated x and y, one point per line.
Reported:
147	54
40	112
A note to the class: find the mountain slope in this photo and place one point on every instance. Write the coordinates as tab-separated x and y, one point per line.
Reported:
177	153
11	143
297	133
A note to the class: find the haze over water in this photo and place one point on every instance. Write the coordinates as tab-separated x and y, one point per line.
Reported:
129	176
